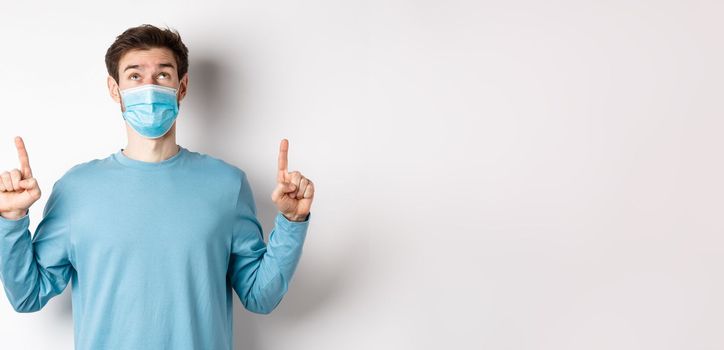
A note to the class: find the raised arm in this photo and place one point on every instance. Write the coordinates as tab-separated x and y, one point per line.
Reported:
32	270
260	273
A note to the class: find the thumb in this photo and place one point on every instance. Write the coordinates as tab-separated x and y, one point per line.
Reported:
289	187
28	184
31	187
282	188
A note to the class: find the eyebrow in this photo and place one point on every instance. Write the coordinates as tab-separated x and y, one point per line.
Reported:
135	66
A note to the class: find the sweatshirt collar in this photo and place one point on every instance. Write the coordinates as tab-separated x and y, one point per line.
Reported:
139	164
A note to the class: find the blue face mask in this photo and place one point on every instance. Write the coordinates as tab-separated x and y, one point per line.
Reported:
150	109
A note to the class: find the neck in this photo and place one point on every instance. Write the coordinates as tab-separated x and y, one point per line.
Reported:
151	150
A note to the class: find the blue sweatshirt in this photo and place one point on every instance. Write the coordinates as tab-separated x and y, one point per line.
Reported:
153	250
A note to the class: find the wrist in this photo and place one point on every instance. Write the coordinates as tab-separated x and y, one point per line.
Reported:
296	218
14	214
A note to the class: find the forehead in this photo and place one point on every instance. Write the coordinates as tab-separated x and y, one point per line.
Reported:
146	58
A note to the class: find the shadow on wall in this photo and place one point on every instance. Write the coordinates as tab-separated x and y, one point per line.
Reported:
314	287
65	302
206	88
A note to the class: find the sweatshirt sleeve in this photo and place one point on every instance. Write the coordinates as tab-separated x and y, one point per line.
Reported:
260	273
33	270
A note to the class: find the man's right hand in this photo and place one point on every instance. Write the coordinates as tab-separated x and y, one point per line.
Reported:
18	188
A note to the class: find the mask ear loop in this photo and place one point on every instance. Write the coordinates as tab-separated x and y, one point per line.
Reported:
120	97
178	103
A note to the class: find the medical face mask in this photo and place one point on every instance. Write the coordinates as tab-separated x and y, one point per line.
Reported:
150	109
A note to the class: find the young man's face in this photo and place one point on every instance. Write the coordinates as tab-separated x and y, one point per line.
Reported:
153	66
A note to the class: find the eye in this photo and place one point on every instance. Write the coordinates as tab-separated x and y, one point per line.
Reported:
164	75
134	76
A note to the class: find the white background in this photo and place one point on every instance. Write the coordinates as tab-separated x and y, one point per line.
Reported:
489	174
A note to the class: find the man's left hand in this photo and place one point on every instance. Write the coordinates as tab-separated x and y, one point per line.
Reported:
294	192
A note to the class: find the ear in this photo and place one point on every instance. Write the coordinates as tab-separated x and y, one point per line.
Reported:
113	89
183	86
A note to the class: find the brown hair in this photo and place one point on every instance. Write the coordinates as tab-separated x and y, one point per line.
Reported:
145	37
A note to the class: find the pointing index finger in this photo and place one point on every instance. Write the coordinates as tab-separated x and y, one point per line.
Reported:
23	156
283	150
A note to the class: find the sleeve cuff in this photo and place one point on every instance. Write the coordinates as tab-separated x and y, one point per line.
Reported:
282	221
19	222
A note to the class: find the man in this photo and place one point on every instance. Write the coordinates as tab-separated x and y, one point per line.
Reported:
155	236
